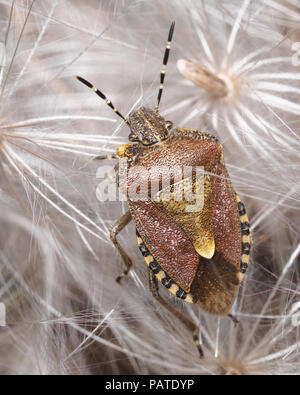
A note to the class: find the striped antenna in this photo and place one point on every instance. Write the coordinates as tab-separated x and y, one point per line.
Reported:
165	61
100	94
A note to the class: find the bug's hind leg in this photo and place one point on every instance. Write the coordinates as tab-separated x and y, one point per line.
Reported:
117	227
233	319
189	324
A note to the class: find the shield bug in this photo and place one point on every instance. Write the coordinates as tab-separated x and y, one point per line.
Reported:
200	257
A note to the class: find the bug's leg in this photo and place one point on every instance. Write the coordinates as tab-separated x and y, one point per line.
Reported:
189	324
117	227
233	319
106	157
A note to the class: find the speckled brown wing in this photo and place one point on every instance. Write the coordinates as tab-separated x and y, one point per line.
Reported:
226	220
167	242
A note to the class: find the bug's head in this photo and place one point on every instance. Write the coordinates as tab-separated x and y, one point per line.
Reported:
148	127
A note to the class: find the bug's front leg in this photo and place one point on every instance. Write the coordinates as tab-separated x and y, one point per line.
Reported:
117	227
106	157
186	321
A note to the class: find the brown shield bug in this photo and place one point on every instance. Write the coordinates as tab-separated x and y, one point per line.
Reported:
199	256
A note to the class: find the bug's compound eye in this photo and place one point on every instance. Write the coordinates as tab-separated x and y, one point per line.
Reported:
132	137
169	125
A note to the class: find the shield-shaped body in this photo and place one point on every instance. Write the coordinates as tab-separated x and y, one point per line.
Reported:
199	254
